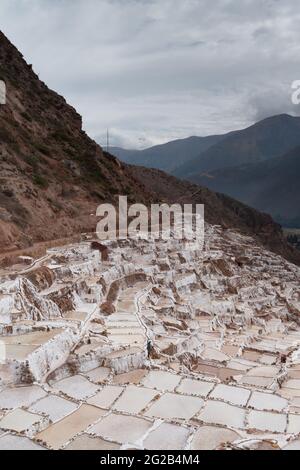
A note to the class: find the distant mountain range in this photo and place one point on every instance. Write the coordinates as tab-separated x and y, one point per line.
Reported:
258	165
271	186
169	156
262	141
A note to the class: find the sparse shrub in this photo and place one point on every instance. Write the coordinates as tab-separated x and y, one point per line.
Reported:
26	116
8	192
5	136
40	180
33	161
42	148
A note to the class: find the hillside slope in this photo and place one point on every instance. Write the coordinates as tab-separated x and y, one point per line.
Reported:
219	209
53	176
271	186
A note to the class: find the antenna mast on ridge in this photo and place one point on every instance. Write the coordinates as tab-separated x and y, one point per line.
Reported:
107	140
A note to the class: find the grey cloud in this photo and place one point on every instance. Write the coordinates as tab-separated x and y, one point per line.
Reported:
156	70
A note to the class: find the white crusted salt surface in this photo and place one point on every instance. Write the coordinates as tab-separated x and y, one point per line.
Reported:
195	387
77	387
134	399
172	406
267	401
121	428
234	395
20	396
167	437
22	421
12	442
54	406
216	412
212	375
210	437
106	397
161	380
267	421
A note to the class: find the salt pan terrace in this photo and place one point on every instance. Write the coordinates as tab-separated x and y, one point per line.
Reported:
221	327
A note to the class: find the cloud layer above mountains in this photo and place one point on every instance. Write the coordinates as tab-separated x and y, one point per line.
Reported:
156	70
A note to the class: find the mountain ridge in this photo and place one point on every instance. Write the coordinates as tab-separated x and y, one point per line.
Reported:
271	186
237	165
269	138
167	156
53	175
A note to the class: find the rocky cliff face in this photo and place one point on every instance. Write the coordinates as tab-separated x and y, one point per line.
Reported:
53	176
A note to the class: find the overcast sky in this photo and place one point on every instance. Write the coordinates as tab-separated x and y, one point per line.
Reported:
156	70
